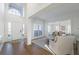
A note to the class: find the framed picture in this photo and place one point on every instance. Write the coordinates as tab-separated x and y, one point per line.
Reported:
62	28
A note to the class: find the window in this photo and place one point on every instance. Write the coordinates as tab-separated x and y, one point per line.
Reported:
14	12
37	30
57	27
16	9
69	29
23	28
49	28
9	31
9	27
0	36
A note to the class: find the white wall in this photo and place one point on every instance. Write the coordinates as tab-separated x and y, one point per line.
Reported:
2	20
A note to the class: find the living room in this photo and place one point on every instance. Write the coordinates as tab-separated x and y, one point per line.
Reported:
39	29
42	24
61	18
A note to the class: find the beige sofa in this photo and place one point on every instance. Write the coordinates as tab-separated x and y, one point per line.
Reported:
62	45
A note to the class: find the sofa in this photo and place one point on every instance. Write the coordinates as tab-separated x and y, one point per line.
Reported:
62	45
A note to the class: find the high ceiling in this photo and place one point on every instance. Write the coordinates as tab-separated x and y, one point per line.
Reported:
57	12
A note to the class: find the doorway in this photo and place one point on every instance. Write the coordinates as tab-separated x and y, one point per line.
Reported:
17	30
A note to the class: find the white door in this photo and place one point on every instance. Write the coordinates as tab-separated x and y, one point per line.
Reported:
17	30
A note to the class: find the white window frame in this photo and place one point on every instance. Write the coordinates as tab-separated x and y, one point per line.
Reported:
37	25
9	27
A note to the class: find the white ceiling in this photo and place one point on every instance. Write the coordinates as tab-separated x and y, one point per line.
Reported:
57	12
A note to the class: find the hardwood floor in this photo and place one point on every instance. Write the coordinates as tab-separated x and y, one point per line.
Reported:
19	48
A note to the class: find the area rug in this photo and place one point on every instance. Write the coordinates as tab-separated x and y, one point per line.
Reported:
40	42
